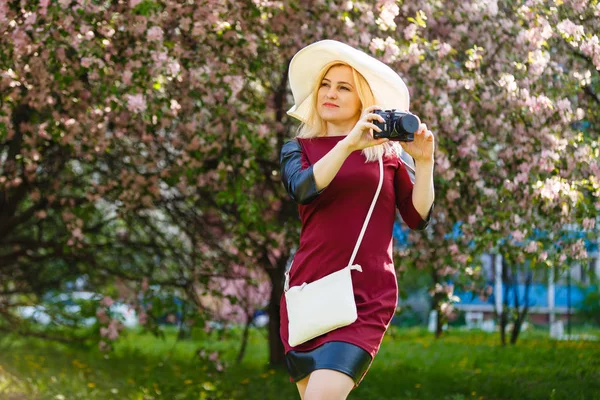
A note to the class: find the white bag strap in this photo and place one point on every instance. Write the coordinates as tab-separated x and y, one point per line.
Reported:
360	237
364	228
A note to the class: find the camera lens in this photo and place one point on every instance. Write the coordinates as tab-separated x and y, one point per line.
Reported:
408	123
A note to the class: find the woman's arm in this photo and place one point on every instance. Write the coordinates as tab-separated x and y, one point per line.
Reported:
296	173
421	149
423	193
327	167
359	138
405	199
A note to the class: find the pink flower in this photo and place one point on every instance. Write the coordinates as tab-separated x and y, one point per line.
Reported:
136	103
133	3
531	247
444	50
126	77
44	5
155	34
588	223
101	315
389	11
446	309
414	54
518	236
410	31
391	50
578	5
107	301
144	284
263	130
452	195
113	329
568	27
376	44
143	318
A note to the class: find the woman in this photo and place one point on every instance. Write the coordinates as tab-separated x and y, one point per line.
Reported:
331	169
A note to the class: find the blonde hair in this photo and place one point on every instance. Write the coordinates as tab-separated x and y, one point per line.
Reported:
315	126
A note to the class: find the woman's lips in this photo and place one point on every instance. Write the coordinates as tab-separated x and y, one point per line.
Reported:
330	105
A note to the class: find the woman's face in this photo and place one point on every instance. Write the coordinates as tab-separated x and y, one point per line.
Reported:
338	100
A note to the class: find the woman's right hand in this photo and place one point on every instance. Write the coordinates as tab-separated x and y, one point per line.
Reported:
361	136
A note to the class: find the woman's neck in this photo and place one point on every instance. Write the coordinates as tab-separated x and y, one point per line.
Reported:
340	129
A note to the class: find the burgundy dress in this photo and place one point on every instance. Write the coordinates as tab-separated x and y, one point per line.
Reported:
331	223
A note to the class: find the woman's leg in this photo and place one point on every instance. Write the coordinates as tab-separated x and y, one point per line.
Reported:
301	385
327	384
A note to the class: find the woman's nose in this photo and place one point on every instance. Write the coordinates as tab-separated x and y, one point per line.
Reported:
331	93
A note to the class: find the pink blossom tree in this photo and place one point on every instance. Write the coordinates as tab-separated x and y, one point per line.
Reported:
140	140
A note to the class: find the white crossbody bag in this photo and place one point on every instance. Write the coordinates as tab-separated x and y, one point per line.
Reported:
328	303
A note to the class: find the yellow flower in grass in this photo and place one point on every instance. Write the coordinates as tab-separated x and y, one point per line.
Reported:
188	381
91	385
245	381
34	365
418	385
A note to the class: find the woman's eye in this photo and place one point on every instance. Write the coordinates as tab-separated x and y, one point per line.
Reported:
344	88
324	84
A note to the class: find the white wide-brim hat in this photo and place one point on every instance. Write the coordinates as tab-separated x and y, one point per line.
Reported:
387	86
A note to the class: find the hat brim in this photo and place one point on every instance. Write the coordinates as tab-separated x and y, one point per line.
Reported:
387	86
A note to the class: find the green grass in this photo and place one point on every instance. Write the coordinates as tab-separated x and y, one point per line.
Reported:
410	365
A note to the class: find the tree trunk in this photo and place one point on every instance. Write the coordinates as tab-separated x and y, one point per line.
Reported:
276	350
435	305
521	315
504	313
439	324
245	336
182	331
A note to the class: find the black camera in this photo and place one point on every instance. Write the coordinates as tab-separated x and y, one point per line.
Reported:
398	125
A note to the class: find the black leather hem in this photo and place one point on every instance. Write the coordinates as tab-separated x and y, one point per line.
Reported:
343	357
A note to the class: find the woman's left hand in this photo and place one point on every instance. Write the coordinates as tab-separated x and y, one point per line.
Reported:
421	149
